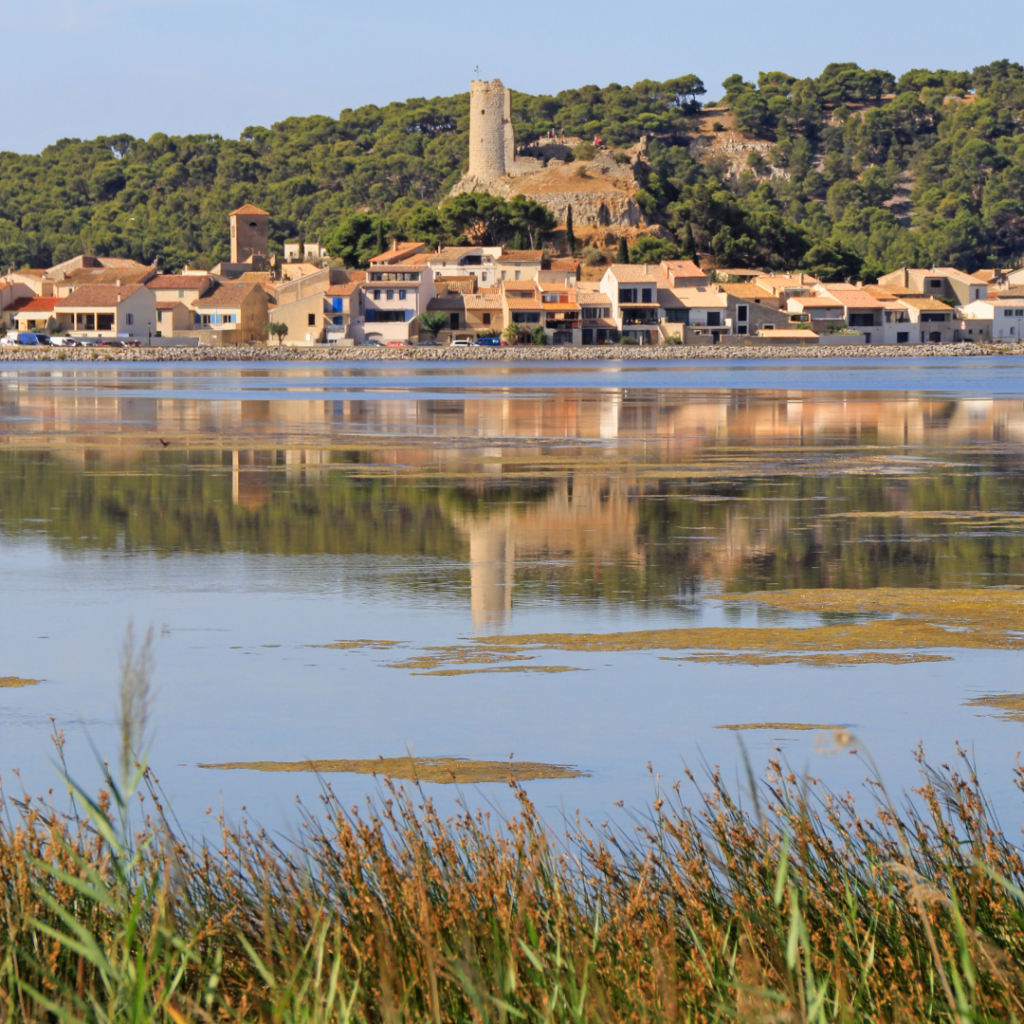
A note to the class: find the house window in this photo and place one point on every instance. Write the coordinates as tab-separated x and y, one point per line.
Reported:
376	293
129	319
391	294
181	293
311	320
483	276
1007	312
401	294
159	316
741	316
714	318
902	337
742	329
677	316
487	319
453	321
518	275
645	295
862	319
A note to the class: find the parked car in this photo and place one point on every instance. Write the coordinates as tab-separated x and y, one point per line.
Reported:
63	341
489	342
113	343
461	342
24	338
394	344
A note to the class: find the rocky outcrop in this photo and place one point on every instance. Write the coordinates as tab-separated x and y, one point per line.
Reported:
520	353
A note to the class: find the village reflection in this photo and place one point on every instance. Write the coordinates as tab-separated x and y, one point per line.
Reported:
646	497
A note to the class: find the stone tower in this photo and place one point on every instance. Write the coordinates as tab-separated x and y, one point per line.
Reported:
491	143
250	231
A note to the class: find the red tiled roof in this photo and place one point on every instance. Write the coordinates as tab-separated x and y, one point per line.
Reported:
97	296
517	302
168	305
343	289
187	281
39	304
249	211
228	295
397	254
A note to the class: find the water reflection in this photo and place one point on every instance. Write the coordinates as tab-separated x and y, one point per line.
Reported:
576	495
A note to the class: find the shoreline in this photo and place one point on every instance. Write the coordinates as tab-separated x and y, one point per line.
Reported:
614	353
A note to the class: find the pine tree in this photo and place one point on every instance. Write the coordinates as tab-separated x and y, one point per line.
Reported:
381	241
622	256
570	238
688	246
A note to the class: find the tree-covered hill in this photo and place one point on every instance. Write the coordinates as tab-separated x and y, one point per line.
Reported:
864	173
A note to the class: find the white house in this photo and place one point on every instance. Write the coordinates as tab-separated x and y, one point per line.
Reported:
992	320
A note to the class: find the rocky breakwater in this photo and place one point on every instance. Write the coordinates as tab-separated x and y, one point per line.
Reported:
521	353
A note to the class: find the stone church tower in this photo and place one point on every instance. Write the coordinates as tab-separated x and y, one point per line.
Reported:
491	140
250	231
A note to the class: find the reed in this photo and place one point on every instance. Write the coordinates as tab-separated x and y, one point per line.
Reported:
788	904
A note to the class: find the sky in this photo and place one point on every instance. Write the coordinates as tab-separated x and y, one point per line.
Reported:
82	68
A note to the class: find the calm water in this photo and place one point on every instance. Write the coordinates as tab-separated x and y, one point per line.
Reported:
296	506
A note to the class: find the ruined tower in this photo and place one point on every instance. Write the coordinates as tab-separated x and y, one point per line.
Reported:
491	142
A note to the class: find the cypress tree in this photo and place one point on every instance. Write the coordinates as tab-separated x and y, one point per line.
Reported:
623	254
570	238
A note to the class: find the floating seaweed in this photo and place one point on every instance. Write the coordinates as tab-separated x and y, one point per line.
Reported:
419	769
11	682
780	726
820	660
1011	704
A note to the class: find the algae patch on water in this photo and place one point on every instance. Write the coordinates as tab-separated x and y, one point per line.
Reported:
780	726
551	669
11	682
879	626
1011	704
828	659
359	645
419	769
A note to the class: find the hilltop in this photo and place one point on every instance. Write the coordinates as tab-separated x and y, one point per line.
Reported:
851	173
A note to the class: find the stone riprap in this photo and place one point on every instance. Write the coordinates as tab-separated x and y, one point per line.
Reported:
519	353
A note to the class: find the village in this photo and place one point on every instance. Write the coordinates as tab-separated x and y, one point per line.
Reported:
488	295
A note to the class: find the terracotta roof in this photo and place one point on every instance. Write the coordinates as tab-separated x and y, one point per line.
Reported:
17	305
958	275
1013	300
452	252
522	302
817	301
356	275
228	295
592	297
402	251
117	263
249	211
39	304
683	268
572	265
262	277
746	290
168	305
854	298
479	300
986	276
521	256
135	274
633	273
180	281
926	305
97	296
770	281
343	289
701	298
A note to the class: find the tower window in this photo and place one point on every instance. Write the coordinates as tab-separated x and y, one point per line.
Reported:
252	224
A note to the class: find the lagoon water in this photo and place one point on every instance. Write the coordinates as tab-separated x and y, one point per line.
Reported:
254	515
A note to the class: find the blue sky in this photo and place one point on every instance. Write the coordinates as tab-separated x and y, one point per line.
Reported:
80	68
